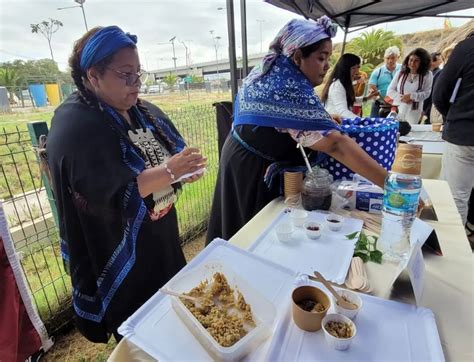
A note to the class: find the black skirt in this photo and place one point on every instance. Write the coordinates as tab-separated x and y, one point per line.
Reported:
240	191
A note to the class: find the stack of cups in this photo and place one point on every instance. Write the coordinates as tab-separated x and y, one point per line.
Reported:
292	183
408	159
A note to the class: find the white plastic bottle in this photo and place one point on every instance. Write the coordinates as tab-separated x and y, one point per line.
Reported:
400	202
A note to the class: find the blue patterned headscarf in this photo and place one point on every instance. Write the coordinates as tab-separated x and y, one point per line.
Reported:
276	93
103	43
298	33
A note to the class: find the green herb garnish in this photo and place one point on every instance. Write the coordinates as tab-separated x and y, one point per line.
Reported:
366	247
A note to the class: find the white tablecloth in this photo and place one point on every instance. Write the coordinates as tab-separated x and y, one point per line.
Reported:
448	285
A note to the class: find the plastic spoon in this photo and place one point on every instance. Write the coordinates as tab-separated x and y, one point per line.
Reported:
339	299
197	301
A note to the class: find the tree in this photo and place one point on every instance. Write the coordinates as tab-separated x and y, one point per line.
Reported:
47	28
170	80
41	70
197	79
9	78
370	46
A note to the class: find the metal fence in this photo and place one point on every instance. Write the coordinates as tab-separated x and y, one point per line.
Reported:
32	224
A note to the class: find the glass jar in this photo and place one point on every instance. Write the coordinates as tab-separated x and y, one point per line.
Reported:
316	191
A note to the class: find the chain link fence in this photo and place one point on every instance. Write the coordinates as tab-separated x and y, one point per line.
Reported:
31	221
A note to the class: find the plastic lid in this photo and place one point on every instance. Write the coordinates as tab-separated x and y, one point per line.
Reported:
320	177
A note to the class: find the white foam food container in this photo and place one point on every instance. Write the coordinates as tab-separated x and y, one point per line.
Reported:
263	311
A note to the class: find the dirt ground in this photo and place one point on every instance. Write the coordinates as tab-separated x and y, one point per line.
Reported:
72	346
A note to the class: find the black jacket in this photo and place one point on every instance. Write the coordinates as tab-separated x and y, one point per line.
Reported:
459	115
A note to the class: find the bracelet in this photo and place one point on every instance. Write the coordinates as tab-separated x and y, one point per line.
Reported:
169	171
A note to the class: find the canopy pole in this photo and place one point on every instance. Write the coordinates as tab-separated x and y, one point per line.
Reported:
346	29
243	25
344	41
232	58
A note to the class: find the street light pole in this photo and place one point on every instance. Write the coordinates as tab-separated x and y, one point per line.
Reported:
174	54
216	47
81	5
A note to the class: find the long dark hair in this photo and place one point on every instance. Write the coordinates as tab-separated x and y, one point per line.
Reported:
342	72
425	61
79	77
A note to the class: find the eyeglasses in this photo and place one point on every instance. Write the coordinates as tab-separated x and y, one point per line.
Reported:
130	78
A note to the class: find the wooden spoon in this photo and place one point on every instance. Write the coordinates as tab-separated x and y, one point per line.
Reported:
339	299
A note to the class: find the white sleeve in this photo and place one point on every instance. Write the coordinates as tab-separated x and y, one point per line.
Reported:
392	90
337	94
425	91
306	138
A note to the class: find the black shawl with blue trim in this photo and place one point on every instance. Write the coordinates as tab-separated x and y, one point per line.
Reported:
118	256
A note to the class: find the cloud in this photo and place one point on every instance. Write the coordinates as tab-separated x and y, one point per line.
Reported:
154	21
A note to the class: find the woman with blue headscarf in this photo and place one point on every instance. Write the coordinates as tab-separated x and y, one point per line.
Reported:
275	109
114	162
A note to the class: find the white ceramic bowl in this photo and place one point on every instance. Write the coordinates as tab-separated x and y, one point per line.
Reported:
313	234
334	222
334	342
284	232
351	297
298	217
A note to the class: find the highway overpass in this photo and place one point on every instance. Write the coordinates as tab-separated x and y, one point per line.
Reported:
206	68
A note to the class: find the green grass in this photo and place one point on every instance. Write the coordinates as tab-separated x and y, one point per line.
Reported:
19	172
49	284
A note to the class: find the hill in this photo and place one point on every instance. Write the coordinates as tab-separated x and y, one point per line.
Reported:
431	40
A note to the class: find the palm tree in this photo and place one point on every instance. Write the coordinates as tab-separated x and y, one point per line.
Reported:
370	46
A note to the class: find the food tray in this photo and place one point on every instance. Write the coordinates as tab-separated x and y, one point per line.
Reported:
263	311
157	329
386	331
331	254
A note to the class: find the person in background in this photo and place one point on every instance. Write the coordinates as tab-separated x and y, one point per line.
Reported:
381	77
114	160
359	90
275	110
453	97
338	94
412	85
435	116
436	61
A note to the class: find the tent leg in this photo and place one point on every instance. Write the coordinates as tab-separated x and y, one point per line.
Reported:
344	42
232	52
346	30
243	25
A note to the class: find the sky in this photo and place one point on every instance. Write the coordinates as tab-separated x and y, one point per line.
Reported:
155	22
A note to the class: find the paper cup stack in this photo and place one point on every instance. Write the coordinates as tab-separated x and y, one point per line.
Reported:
292	183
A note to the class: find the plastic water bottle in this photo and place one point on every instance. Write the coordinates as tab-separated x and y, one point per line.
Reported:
393	114
400	203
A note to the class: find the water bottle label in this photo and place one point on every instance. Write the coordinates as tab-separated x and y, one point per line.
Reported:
401	200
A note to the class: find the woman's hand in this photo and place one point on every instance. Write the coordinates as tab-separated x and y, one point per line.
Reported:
336	118
157	178
187	161
406	98
372	94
